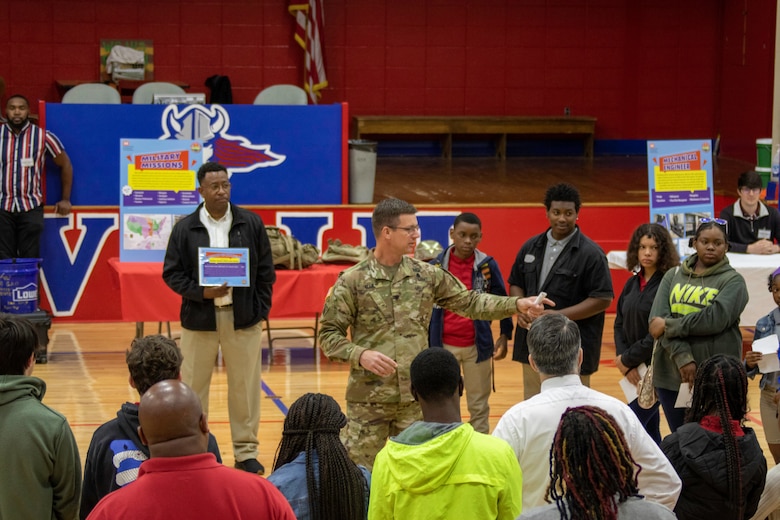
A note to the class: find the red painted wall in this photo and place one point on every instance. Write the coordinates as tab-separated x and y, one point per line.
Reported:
505	228
647	69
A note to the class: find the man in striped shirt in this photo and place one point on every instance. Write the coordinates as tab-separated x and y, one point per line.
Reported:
23	147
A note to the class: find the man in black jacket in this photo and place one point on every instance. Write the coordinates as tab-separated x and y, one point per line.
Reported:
116	451
223	317
572	269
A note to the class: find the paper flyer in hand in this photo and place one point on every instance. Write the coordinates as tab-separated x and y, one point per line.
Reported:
768	348
629	389
684	397
219	265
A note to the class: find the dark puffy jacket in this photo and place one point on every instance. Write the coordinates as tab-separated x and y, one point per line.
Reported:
699	457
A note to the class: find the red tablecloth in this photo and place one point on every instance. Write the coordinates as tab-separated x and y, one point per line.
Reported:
145	297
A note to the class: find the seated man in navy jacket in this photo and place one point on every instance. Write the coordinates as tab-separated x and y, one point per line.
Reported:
116	452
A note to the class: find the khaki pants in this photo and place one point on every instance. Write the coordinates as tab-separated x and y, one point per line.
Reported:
370	424
241	352
477	383
532	383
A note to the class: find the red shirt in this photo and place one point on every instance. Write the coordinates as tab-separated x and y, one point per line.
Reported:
194	487
459	331
712	423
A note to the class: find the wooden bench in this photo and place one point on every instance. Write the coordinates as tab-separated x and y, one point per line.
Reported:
500	127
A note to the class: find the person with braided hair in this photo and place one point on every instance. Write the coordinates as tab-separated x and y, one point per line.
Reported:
593	474
312	468
718	459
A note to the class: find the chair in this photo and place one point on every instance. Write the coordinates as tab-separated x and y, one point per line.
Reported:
282	95
144	95
94	93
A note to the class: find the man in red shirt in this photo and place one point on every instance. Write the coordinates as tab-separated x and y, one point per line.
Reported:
471	341
181	479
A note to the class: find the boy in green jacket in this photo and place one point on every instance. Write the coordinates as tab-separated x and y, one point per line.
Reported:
441	464
41	475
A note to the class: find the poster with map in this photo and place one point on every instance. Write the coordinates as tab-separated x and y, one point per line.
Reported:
158	184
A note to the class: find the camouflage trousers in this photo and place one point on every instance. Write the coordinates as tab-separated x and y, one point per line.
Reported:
370	424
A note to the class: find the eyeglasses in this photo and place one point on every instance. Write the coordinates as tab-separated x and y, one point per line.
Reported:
719	221
410	230
745	189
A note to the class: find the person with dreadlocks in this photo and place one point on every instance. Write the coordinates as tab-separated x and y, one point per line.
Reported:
718	459
312	468
592	472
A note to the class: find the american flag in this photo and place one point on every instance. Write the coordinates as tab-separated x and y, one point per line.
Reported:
309	16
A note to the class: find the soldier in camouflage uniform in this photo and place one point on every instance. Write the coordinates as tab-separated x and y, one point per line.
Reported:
387	301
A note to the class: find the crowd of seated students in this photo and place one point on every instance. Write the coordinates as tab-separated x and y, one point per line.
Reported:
568	452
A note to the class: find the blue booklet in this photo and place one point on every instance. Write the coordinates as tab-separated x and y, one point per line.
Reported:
219	265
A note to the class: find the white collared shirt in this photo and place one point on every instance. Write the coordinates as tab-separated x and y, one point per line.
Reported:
529	427
219	236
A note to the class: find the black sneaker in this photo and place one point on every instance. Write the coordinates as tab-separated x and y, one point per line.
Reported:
250	466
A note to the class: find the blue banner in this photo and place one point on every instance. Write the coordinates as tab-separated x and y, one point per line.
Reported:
276	155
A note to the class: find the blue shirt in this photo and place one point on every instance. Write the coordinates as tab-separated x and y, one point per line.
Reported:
290	479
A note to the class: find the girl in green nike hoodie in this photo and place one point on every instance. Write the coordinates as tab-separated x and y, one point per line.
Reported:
695	315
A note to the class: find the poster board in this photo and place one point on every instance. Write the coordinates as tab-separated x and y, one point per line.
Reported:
158	182
680	187
250	140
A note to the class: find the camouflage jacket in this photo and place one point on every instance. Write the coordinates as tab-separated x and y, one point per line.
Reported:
392	317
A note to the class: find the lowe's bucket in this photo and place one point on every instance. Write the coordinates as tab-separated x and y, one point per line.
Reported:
19	285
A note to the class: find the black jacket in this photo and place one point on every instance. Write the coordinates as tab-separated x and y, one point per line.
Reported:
180	270
699	457
114	455
743	231
633	343
580	272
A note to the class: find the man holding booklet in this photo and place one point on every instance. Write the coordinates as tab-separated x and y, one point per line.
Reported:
226	315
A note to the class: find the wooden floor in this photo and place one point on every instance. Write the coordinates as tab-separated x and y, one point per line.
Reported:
87	381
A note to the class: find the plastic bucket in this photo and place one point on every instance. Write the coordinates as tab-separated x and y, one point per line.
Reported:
764	153
362	171
765	173
19	285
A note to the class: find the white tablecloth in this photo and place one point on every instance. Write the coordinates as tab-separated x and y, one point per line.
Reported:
754	268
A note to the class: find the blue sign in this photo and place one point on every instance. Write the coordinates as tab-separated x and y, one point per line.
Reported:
276	155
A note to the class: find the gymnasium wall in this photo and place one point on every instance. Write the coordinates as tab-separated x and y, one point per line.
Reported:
647	69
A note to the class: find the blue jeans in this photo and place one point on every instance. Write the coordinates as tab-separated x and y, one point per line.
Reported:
674	416
650	419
